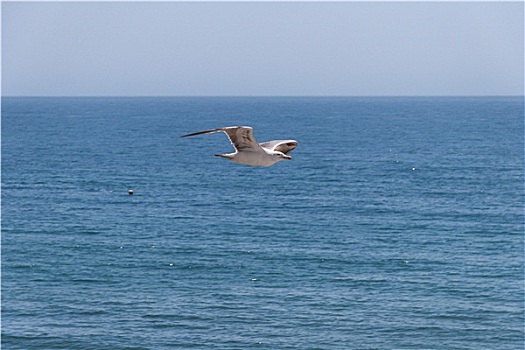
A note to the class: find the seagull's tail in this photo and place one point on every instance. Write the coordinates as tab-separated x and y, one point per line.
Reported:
227	156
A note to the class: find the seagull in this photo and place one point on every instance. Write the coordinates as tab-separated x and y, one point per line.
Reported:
248	151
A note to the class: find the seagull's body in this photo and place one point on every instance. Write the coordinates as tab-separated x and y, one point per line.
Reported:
248	151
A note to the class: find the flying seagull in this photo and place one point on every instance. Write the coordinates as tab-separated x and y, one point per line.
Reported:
248	151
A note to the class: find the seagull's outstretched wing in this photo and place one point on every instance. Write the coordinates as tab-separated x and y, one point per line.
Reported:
241	137
284	146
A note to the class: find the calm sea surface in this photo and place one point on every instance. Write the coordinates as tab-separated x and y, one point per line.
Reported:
399	224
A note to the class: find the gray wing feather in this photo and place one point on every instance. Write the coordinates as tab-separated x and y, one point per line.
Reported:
241	137
202	132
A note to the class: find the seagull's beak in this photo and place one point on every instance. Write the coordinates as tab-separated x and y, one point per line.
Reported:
287	157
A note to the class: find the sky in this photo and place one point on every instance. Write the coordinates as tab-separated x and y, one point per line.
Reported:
262	48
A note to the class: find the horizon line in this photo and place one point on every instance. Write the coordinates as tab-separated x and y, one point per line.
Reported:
254	96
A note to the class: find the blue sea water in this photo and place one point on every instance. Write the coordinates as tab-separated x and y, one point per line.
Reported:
399	224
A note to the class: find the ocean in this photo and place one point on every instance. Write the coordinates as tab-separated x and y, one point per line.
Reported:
399	224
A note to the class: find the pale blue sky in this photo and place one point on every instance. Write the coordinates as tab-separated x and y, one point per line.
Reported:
268	48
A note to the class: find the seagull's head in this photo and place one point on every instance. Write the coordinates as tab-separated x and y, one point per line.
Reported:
281	156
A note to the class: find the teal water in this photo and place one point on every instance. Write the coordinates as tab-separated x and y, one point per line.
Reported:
398	224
